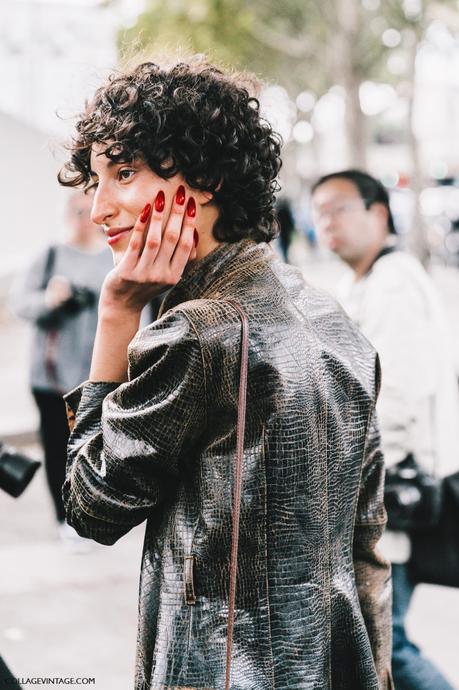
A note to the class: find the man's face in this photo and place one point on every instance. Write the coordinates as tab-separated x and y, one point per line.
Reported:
342	222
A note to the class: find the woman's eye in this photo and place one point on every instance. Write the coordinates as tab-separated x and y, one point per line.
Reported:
125	173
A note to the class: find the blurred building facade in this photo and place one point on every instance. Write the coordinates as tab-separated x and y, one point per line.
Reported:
53	54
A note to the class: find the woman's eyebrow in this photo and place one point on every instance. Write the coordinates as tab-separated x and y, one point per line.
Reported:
112	164
109	164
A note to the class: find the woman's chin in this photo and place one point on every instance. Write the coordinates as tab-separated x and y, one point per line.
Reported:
116	255
118	251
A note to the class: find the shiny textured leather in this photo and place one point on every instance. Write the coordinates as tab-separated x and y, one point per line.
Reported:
313	596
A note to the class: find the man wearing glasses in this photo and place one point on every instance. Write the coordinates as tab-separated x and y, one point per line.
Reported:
393	300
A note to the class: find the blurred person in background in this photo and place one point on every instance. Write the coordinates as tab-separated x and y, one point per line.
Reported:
395	303
58	294
286	221
185	172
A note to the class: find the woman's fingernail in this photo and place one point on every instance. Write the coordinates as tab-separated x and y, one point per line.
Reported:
180	196
196	237
191	207
145	213
160	201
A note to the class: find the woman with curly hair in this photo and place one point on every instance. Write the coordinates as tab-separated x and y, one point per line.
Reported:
240	424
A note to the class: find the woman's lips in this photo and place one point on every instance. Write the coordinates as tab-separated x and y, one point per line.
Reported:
115	234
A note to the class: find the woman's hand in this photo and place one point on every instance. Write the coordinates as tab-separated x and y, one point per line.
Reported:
154	259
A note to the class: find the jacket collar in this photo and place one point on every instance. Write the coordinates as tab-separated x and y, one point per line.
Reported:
202	279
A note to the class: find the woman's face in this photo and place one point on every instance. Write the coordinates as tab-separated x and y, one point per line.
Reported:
121	192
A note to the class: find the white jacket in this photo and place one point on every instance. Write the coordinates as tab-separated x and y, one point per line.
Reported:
398	309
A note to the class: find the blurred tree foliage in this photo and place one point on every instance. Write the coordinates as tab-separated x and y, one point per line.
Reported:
298	43
305	44
274	40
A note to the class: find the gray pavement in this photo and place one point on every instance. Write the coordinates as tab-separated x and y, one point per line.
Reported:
74	615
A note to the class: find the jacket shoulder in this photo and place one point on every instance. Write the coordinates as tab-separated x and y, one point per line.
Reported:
171	335
344	351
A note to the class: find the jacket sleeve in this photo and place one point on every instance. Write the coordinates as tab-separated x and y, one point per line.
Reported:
130	441
372	571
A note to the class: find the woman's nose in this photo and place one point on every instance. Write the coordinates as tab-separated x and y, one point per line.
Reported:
102	207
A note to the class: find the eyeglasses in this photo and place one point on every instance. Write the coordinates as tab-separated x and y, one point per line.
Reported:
320	215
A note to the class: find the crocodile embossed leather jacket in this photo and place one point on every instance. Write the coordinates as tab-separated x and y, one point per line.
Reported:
313	595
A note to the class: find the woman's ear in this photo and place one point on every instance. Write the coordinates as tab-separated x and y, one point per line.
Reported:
203	198
208	196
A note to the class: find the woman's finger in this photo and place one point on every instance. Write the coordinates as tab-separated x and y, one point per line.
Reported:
185	249
130	258
153	239
172	232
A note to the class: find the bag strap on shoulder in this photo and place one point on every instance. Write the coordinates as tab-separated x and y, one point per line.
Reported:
237	479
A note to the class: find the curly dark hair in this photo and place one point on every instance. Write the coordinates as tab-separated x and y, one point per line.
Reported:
192	119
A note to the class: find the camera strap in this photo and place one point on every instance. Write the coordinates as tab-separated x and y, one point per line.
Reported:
49	265
52	334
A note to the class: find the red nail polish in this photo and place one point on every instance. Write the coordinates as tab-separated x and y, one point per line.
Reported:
145	213
160	201
195	237
191	207
180	196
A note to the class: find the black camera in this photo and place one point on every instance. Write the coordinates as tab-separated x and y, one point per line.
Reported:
16	470
81	298
412	497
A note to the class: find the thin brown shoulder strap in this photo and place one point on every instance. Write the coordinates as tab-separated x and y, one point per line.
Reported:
237	486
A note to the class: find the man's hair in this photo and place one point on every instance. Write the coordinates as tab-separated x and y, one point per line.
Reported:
370	189
193	119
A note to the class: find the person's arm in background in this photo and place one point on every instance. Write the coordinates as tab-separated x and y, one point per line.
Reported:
29	299
372	571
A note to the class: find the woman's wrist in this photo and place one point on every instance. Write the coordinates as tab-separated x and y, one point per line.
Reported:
116	328
118	315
